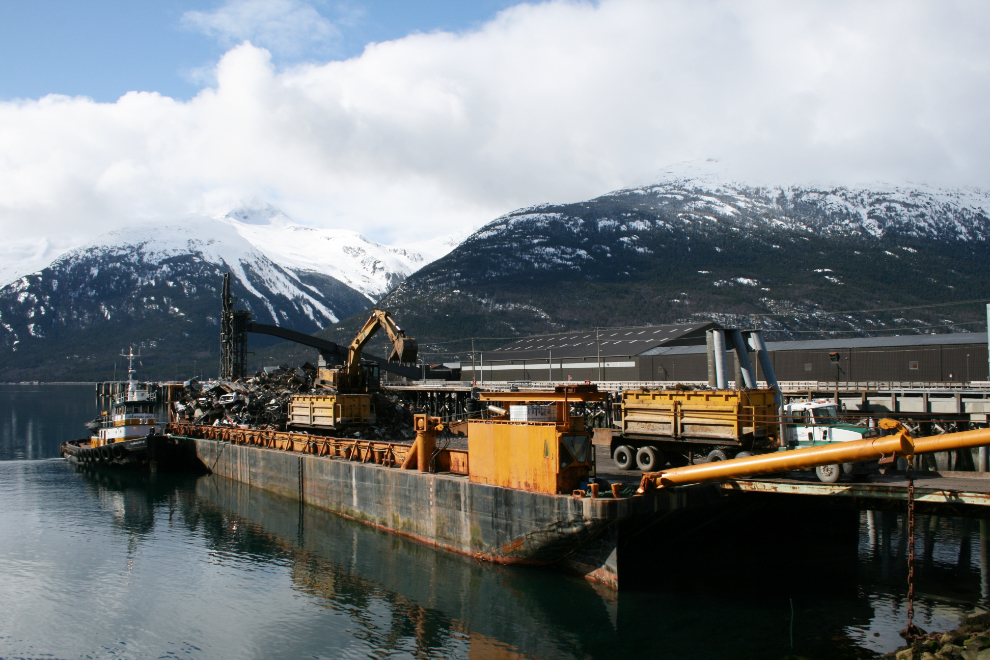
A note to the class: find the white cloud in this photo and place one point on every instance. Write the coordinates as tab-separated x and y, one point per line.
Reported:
288	27
552	102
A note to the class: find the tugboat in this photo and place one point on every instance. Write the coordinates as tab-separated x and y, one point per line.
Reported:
126	434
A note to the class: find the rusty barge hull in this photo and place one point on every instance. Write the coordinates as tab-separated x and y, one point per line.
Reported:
491	523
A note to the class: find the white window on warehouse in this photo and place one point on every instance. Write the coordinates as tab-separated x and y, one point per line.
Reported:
913	365
807	366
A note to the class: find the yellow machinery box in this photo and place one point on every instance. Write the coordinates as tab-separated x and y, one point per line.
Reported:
533	456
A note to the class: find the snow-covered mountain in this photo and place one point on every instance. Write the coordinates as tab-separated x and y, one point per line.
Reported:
157	283
364	265
702	246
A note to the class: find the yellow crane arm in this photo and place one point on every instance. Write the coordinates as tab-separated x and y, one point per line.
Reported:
404	349
887	447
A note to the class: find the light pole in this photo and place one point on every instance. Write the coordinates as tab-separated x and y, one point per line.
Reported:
598	342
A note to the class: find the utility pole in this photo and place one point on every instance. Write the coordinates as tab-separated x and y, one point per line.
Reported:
598	341
550	362
474	367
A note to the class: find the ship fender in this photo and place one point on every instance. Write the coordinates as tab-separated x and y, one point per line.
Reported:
117	451
105	454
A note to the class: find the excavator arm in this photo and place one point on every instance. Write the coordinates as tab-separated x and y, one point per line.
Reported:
404	349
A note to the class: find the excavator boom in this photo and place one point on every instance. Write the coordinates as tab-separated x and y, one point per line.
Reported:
404	349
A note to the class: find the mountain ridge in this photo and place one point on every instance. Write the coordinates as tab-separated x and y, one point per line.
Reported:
788	259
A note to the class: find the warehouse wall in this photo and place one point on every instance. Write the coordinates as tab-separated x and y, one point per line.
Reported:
964	362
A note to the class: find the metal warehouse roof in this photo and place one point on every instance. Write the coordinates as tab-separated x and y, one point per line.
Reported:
613	341
954	339
690	339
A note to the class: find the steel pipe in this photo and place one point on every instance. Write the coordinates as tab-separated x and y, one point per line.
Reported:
710	344
899	444
742	359
721	378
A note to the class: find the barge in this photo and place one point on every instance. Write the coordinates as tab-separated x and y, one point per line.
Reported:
523	492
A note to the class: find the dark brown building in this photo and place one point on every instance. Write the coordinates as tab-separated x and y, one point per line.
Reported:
678	353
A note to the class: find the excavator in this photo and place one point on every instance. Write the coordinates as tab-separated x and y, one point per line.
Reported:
350	378
353	383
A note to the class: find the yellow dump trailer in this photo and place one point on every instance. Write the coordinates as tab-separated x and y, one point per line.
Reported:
662	425
330	411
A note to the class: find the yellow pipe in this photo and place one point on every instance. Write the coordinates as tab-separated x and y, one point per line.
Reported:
899	444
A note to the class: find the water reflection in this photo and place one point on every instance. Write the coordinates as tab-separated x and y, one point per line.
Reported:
36	419
952	573
131	565
713	587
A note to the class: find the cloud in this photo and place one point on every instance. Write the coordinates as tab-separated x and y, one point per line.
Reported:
286	27
551	102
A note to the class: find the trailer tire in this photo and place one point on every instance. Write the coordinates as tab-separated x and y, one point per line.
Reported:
829	474
717	455
743	454
624	457
649	459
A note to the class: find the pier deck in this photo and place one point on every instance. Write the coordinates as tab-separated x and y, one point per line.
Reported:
930	488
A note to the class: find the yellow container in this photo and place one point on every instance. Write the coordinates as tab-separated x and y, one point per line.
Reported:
330	410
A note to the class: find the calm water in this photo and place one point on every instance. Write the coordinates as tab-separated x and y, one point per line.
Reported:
102	564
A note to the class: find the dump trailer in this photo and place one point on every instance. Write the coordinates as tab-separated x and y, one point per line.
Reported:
672	425
661	426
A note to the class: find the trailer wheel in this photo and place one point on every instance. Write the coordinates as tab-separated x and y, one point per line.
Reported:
717	455
829	474
624	457
743	454
649	459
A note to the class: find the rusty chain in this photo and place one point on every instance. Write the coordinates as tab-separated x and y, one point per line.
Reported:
909	634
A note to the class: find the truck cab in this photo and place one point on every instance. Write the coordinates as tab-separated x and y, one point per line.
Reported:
815	423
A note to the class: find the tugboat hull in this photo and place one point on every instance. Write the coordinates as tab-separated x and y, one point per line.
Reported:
152	453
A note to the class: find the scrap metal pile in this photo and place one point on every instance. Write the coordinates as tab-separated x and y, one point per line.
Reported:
262	402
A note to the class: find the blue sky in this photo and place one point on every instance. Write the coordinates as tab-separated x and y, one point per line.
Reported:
105	48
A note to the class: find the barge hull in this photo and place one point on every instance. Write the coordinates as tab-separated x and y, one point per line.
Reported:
502	525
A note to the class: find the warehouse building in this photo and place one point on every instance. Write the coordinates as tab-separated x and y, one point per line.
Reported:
678	353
